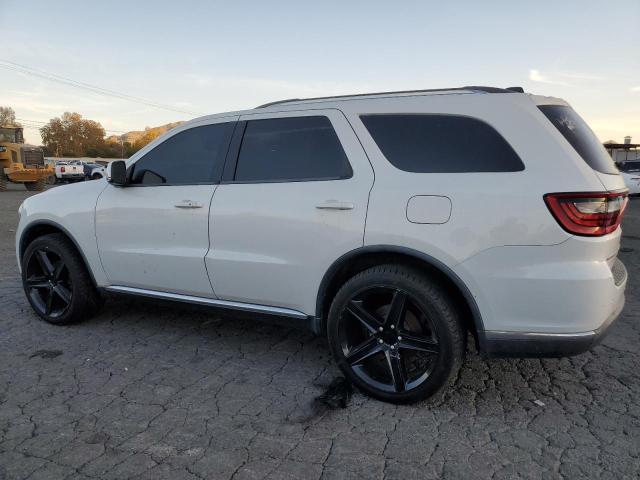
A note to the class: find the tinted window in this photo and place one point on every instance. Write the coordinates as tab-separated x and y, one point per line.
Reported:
441	144
289	149
580	136
193	156
630	167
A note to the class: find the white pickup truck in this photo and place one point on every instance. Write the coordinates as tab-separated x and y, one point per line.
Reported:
69	171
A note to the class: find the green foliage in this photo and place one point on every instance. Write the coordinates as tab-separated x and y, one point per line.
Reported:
72	136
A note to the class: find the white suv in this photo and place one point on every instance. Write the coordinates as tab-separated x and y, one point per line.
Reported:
394	223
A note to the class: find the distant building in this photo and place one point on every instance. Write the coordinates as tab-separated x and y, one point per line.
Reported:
623	152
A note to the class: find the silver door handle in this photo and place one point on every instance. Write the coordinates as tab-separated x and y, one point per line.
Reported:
335	205
188	204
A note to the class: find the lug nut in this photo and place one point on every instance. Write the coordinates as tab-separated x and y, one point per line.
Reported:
399	339
380	341
392	347
380	329
392	327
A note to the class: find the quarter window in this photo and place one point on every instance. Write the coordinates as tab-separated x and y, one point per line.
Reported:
576	131
291	149
189	157
441	144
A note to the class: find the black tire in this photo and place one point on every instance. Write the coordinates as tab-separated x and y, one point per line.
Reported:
404	363
35	186
56	281
3	180
96	176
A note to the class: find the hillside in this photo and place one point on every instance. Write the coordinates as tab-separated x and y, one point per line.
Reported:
136	135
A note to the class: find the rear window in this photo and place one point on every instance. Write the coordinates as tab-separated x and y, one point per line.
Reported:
291	149
441	144
580	136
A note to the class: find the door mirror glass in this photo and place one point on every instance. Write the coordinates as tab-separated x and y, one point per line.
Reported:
117	172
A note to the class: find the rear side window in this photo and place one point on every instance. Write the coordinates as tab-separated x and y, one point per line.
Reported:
441	144
291	149
189	157
580	136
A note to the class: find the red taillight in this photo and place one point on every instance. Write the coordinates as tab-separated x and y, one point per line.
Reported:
62	169
588	214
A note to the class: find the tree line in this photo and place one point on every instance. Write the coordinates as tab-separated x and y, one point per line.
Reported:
71	135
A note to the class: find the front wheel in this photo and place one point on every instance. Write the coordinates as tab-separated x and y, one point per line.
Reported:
34	186
3	180
56	281
395	334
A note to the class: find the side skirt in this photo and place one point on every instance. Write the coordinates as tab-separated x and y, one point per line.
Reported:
275	315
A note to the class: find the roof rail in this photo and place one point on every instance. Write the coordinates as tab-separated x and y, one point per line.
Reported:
473	88
279	101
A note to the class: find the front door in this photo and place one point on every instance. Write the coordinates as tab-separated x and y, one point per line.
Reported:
295	202
153	233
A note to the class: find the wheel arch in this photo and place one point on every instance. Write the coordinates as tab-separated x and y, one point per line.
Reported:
40	228
362	258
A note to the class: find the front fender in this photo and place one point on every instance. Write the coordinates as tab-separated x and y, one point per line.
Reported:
71	210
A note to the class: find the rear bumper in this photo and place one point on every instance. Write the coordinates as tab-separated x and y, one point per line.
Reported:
547	301
532	345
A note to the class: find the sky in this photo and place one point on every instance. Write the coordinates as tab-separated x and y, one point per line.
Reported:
206	57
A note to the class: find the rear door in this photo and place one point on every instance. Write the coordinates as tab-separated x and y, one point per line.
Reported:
153	233
295	201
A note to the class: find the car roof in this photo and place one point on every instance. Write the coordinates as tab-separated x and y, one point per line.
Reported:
293	102
399	93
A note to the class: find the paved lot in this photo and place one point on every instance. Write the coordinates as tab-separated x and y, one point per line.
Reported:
145	391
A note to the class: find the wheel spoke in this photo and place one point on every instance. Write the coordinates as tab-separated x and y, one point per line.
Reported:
58	270
397	371
63	292
363	351
356	309
37	282
49	303
45	263
397	309
411	341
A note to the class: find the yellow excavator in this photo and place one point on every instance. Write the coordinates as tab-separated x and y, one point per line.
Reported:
22	163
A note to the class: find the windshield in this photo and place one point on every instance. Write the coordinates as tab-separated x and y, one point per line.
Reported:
10	135
629	167
580	136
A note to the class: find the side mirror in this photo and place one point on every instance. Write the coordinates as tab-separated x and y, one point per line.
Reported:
117	173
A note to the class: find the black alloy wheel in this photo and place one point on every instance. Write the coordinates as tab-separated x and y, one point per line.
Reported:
56	281
47	283
394	335
388	339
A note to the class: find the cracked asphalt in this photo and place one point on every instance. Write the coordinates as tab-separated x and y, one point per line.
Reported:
149	391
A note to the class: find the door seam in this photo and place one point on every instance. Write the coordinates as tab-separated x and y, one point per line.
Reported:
210	241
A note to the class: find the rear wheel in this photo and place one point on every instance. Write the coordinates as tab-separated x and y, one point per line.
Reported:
3	180
56	281
35	186
395	334
96	176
